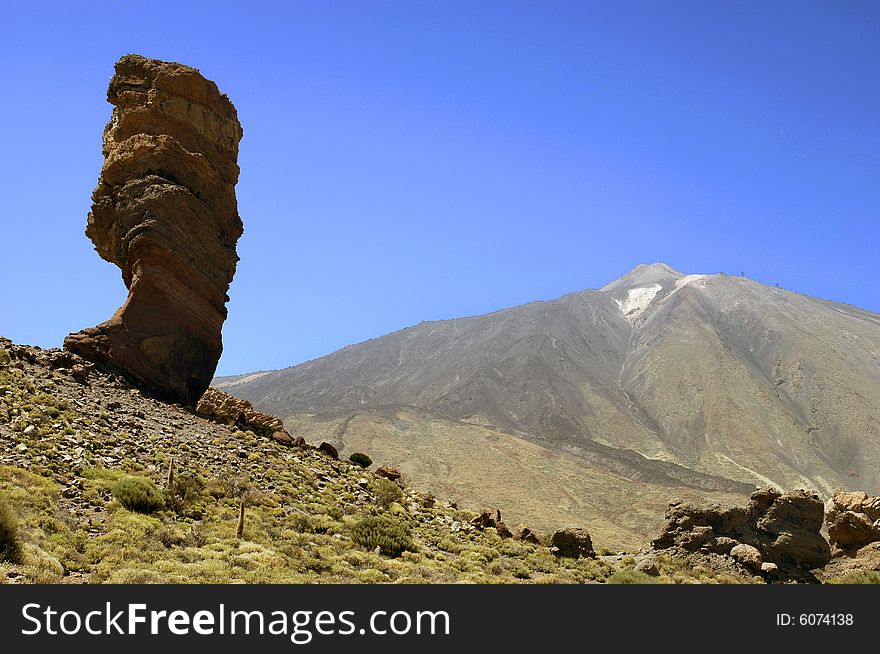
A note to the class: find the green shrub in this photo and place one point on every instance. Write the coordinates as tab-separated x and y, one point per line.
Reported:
859	577
183	492
361	459
138	494
10	545
386	492
391	536
630	576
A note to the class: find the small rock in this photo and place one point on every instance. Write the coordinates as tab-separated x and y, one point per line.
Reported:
81	372
282	437
523	533
487	519
502	530
389	473
648	566
28	430
769	568
456	526
329	450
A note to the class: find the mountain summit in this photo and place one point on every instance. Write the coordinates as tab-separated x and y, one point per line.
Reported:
708	383
645	274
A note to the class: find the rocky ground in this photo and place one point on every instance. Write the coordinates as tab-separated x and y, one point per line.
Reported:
70	432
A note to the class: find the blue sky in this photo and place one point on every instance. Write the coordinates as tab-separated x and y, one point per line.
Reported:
409	161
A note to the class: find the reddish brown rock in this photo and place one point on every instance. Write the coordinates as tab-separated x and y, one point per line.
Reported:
389	473
487	519
524	533
165	212
230	410
492	519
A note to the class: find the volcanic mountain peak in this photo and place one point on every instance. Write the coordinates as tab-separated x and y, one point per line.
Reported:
645	274
640	287
707	383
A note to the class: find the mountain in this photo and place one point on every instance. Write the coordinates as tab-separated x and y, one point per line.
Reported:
602	404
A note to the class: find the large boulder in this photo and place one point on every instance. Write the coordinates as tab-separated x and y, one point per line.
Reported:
572	542
779	528
165	212
853	521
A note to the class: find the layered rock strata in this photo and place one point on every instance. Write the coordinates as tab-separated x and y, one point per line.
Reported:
165	212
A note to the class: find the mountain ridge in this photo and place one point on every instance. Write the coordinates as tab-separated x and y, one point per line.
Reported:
718	375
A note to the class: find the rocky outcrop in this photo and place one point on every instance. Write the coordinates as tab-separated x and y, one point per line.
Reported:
222	407
165	212
492	520
782	529
853	521
572	542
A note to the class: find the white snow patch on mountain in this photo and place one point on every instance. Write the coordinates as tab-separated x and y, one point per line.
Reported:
637	300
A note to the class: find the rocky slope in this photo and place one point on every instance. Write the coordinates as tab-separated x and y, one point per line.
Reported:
704	384
69	433
164	211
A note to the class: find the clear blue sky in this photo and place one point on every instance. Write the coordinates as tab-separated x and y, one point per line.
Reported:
405	161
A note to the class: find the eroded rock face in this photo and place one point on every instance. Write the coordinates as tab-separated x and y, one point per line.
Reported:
165	212
783	529
222	407
853	520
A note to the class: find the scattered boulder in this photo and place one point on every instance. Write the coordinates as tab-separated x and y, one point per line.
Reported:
502	530
769	568
782	528
572	542
282	437
329	450
492	519
749	556
853	521
389	473
80	372
523	533
298	441
165	212
487	519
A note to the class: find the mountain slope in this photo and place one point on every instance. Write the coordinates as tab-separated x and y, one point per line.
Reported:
709	383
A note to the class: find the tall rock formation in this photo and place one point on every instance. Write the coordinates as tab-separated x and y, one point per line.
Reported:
165	212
